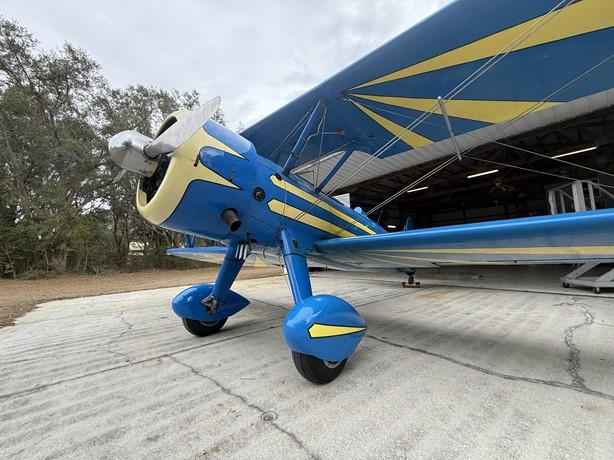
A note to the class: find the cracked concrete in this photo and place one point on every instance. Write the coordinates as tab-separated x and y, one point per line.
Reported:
248	404
444	372
574	365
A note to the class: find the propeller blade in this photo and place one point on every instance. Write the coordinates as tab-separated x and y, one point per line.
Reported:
182	129
126	151
120	176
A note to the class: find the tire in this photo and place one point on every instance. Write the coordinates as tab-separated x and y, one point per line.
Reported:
316	370
202	328
565	285
597	290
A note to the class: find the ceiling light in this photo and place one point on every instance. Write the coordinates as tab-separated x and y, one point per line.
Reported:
391	226
417	189
492	171
587	149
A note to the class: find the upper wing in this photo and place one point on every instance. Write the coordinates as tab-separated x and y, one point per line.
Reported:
563	238
375	98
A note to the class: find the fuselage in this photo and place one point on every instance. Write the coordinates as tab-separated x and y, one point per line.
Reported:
217	170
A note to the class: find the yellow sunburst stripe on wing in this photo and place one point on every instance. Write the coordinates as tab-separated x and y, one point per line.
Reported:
409	137
562	250
286	210
294	190
488	111
181	171
319	331
579	18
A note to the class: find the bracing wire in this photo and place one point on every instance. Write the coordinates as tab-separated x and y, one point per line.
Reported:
290	134
461	86
322	127
501	143
534	107
507	165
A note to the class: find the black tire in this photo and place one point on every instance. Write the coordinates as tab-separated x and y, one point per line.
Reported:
316	370
565	285
202	328
597	290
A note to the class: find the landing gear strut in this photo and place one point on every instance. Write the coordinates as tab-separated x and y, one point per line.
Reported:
322	330
204	308
411	282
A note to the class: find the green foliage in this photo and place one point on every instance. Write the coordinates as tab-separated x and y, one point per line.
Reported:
59	210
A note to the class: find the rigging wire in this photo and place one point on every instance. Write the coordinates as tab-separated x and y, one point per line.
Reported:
546	157
529	169
322	126
462	85
540	103
431	173
498	142
534	107
290	134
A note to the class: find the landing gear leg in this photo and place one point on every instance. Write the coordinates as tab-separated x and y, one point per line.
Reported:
411	282
230	268
204	308
322	330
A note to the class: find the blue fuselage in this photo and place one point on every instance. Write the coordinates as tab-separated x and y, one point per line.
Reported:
216	170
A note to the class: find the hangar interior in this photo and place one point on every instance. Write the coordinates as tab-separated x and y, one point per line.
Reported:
527	175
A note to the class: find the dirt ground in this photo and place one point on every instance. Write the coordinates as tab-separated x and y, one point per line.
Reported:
17	297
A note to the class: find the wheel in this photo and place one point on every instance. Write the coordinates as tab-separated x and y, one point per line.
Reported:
565	285
317	370
597	290
202	328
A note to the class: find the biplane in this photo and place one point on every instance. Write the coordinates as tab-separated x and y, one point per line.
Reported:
478	70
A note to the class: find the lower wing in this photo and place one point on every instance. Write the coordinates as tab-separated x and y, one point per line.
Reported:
564	238
215	255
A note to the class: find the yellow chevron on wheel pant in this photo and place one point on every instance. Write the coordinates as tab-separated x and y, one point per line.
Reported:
317	331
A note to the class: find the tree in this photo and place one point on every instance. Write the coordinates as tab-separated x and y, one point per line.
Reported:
50	149
59	207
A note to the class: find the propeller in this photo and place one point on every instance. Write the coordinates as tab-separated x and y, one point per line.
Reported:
135	152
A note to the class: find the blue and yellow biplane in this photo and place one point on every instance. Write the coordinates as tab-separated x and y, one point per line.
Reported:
477	70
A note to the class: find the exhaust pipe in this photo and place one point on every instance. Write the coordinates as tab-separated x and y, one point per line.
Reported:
230	218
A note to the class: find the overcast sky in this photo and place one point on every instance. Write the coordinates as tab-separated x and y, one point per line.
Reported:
258	55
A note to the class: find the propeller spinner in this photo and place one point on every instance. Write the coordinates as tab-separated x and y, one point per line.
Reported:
135	152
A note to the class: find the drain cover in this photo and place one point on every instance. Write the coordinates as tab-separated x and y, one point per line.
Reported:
268	416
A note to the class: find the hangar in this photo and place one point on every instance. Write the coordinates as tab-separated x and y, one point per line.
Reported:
512	177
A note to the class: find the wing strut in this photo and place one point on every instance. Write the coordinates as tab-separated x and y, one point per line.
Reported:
333	171
442	106
303	138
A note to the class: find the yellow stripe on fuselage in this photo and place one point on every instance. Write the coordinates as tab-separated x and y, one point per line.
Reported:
181	172
409	137
580	18
299	215
488	111
296	191
319	331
